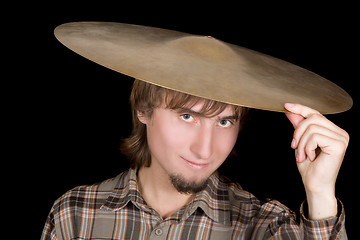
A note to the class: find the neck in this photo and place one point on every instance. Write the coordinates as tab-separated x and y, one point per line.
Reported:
159	193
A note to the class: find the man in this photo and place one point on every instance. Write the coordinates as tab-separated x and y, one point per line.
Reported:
172	189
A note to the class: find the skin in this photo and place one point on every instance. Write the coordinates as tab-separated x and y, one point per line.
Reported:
192	146
318	171
183	143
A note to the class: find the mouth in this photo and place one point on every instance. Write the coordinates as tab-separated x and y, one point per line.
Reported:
194	165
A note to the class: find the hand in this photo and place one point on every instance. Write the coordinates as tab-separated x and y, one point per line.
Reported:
320	147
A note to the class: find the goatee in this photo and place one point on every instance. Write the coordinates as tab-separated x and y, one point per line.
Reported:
187	187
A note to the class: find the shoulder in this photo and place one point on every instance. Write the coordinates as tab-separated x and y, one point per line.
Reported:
245	203
250	217
88	196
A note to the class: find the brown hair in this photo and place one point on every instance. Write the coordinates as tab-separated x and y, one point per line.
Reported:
145	98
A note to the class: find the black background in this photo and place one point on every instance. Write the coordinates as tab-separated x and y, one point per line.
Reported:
69	114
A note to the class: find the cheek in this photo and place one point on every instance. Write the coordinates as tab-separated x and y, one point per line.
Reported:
225	143
165	137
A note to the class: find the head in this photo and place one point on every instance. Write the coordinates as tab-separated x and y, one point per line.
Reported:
169	124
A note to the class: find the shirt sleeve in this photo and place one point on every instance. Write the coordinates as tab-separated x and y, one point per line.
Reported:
279	222
330	228
49	228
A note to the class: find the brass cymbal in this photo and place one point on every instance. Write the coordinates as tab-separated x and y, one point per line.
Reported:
202	66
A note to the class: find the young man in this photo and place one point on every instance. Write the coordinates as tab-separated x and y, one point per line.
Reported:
173	191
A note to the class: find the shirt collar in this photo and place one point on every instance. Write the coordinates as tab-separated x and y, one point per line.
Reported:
125	190
213	200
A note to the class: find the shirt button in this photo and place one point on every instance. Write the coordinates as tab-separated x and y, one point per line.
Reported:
158	232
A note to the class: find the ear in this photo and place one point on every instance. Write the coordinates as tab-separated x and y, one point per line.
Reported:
142	118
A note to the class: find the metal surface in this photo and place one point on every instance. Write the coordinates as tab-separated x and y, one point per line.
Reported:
202	66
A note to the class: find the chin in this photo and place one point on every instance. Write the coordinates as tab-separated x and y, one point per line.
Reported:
187	186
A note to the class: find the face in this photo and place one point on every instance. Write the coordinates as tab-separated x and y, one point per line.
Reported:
187	147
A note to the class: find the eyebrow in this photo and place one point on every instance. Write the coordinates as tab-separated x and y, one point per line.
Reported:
200	114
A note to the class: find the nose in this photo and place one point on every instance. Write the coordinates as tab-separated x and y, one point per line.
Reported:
202	146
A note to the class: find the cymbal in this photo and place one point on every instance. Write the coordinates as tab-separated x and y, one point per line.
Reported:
202	66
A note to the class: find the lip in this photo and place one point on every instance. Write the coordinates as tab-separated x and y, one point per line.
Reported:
195	165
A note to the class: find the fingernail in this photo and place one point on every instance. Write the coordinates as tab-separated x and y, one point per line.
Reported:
293	143
289	105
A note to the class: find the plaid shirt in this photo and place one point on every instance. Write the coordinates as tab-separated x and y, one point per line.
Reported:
114	209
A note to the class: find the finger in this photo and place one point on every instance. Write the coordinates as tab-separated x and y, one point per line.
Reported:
295	119
318	121
319	137
300	109
307	148
307	145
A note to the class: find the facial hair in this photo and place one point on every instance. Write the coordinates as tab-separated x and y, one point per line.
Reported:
187	187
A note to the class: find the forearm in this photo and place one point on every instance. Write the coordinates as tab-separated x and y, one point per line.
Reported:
321	206
328	228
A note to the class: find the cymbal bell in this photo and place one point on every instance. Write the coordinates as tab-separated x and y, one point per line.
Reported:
202	66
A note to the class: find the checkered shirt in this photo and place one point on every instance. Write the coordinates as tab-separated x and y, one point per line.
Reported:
114	209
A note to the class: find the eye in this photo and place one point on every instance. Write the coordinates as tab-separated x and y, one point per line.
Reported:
187	117
225	123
